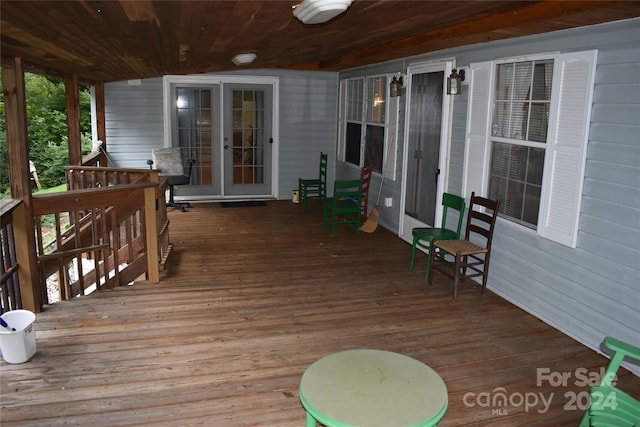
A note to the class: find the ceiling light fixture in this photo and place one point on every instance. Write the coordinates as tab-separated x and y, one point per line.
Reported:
244	58
319	11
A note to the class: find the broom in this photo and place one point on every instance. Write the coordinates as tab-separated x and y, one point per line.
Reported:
371	224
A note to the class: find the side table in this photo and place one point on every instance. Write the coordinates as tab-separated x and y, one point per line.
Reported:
372	388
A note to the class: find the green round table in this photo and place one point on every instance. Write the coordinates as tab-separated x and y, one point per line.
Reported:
372	388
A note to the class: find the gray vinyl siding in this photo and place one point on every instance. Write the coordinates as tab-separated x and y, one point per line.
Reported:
307	123
456	151
134	123
308	126
591	291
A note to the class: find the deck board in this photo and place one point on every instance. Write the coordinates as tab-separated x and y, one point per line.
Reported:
250	298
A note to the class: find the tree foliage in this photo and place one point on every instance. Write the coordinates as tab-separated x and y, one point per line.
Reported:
46	130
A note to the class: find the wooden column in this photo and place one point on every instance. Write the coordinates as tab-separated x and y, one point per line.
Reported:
101	126
100	114
18	155
73	120
151	233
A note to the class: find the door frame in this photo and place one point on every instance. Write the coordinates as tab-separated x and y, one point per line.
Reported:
221	80
406	223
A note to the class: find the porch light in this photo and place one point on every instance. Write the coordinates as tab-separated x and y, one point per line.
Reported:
319	11
395	87
454	82
244	58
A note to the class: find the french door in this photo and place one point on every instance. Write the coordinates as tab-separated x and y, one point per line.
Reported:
226	129
425	159
247	139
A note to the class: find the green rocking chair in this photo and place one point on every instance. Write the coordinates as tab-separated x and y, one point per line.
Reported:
609	405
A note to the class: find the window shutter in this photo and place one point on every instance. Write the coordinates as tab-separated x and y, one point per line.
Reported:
342	119
573	81
476	155
392	139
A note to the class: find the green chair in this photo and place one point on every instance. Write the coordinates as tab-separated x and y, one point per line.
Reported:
422	236
314	188
344	207
610	406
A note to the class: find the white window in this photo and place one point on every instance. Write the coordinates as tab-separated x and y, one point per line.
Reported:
354	106
368	117
518	137
527	134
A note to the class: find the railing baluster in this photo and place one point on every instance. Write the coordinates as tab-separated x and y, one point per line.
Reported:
115	233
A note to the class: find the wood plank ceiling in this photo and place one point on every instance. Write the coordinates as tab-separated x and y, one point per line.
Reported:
120	40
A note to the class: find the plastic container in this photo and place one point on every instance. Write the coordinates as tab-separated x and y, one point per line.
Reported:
20	345
295	197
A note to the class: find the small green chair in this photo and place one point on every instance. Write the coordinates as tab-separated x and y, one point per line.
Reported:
610	406
344	207
314	188
422	236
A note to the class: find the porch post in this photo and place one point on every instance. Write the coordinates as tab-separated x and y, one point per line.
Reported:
18	155
100	113
73	120
101	127
151	233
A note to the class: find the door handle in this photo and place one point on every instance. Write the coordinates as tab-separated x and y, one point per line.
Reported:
226	146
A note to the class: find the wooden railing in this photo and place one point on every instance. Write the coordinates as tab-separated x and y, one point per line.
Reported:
108	229
83	177
9	279
98	237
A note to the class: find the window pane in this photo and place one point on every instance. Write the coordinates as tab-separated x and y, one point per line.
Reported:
374	147
513	199
535	166
523	92
498	190
352	151
517	161
538	122
504	80
500	159
355	93
531	204
376	95
515	180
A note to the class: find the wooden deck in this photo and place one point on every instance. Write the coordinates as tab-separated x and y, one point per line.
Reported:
251	297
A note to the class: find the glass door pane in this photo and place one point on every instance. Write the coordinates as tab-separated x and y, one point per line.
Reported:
195	131
425	122
248	136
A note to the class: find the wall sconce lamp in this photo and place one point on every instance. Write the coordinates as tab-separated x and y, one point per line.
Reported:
454	82
395	86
